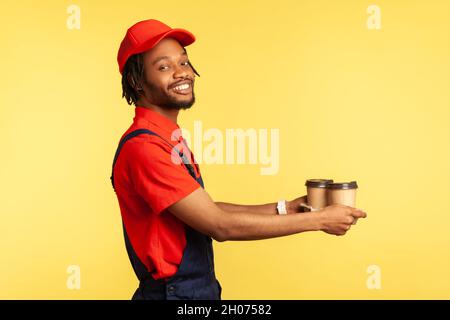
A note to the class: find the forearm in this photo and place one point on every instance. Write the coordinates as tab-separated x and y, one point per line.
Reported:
252	226
293	206
269	208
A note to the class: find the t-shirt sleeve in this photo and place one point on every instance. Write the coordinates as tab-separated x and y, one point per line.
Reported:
155	177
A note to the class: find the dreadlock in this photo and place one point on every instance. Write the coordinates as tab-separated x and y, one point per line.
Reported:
132	76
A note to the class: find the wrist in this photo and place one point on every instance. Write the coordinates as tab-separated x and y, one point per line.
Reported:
282	207
319	219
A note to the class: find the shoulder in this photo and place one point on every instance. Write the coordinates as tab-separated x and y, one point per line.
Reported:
146	145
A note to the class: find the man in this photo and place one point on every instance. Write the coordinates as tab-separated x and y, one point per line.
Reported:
168	217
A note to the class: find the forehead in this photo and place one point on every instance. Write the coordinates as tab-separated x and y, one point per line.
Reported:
166	47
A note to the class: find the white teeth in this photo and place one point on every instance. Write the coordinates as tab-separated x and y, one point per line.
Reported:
182	87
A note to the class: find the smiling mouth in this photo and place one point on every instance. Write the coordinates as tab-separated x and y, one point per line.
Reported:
183	89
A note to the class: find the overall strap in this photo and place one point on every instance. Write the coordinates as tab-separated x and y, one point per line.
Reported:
149	132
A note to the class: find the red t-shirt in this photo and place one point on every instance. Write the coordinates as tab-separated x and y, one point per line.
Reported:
147	181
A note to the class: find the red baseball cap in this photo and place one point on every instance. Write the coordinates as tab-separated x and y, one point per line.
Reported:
146	34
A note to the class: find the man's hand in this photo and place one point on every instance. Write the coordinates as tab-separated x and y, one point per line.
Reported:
337	219
294	206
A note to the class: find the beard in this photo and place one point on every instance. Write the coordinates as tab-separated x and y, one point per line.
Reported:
166	101
173	103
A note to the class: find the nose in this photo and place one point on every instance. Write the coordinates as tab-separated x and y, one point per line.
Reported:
180	72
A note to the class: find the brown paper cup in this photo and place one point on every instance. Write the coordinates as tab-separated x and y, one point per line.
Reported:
342	193
317	193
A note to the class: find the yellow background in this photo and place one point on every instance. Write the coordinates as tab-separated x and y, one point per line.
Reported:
351	104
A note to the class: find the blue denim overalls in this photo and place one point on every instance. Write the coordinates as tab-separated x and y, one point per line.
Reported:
195	278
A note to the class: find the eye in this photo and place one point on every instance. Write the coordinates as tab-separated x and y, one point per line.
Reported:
185	63
163	68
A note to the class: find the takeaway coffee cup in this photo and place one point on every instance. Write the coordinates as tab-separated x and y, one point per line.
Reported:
342	193
316	190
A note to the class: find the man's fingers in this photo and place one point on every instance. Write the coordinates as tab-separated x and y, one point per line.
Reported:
349	220
357	213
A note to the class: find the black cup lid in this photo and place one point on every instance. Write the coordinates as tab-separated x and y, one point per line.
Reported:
318	183
343	185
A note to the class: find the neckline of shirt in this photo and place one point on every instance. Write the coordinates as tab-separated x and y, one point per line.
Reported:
159	120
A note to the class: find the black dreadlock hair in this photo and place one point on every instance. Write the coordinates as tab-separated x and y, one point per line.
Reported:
132	75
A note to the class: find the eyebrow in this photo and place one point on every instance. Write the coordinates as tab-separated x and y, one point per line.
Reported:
184	53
